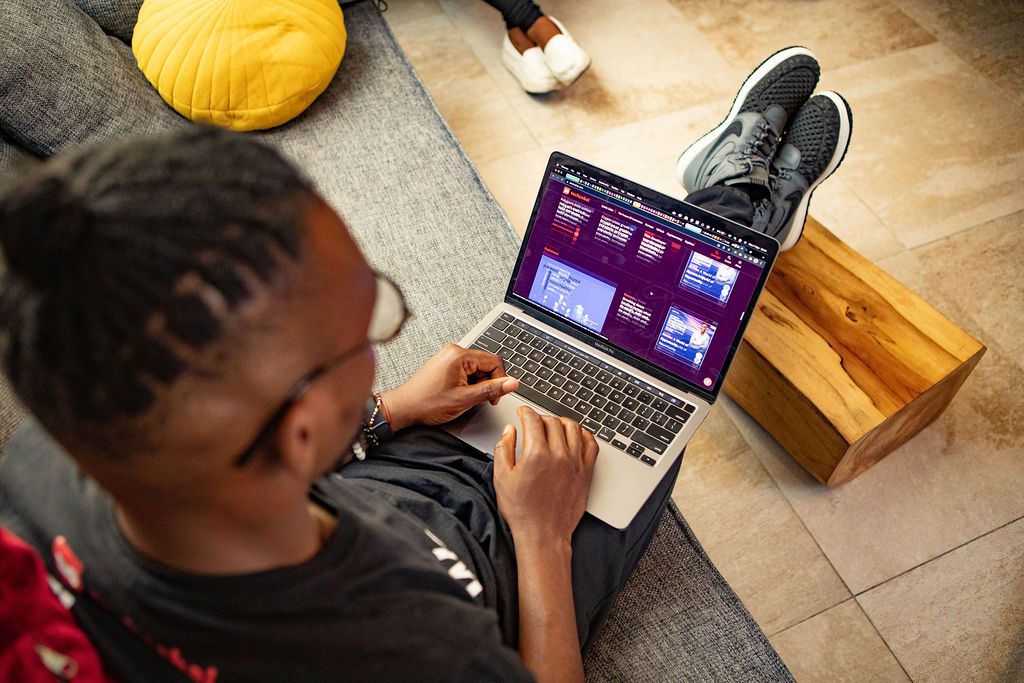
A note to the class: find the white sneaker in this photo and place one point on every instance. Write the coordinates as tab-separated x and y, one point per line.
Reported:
529	68
566	59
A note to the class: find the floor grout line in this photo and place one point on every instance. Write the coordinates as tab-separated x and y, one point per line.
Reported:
882	638
942	554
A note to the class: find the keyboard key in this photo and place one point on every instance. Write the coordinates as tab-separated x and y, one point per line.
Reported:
640	423
584	407
516	372
525	336
617	396
518	359
584	394
660	405
676	413
531	366
613	408
610	422
488	344
569	401
496	335
528	379
631	390
589	382
626	429
689	407
603	376
635	449
549	362
597	414
537	343
500	325
660	434
531	394
644	397
598	401
648	441
648	460
550	349
557	380
618	383
603	389
571	387
563	356
542	386
626	415
577	363
536	355
659	418
591	426
621	445
544	373
643	411
631	403
576	375
673	426
605	434
562	369
555	393
507	316
590	369
506	352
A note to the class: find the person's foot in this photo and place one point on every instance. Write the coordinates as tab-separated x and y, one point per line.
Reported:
785	79
529	67
566	59
810	151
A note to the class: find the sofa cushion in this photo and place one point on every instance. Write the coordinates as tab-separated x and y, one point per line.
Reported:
240	66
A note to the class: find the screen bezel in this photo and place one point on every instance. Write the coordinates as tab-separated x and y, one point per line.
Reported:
666	204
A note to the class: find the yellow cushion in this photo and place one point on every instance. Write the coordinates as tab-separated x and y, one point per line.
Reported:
239	64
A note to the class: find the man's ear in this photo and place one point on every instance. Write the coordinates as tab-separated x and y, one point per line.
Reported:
296	445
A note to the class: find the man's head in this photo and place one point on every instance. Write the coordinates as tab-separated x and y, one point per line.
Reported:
161	297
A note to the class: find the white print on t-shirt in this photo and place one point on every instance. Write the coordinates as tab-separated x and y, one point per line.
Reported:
458	571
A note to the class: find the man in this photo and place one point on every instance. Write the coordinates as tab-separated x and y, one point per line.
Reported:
195	327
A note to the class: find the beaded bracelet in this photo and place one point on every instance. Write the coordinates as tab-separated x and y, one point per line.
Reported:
376	428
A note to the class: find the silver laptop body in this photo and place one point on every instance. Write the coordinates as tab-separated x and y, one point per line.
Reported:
623	311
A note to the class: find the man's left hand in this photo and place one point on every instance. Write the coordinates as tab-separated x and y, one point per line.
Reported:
449	384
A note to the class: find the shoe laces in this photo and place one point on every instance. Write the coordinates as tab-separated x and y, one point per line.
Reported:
762	141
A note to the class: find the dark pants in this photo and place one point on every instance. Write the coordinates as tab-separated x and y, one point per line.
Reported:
459	479
517	13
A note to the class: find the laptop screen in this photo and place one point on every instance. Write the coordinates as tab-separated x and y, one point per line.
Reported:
662	280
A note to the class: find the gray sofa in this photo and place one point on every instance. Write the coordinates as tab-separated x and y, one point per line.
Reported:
380	153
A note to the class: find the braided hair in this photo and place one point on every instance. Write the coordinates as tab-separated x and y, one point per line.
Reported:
96	246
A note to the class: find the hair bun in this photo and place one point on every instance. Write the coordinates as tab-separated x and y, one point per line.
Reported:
43	226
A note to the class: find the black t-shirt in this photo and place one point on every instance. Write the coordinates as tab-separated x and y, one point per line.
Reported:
416	583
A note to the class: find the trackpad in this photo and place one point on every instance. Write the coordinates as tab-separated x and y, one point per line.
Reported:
481	427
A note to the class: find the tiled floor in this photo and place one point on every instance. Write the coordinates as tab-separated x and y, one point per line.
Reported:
915	570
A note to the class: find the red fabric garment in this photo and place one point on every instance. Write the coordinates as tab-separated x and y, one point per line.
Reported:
39	639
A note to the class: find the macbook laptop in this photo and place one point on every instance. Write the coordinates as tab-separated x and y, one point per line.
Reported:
624	310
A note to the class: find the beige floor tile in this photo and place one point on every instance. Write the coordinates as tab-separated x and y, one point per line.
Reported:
929	154
403	11
959	617
959	478
980	270
836	205
514	181
465	94
645	63
749	530
837	646
839	32
986	33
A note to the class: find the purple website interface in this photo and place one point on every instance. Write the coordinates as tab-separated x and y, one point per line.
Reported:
667	288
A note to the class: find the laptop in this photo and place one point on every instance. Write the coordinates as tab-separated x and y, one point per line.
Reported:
624	310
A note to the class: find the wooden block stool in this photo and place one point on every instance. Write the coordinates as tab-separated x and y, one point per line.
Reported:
841	363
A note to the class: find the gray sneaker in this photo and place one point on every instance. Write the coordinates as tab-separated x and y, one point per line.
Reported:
812	149
785	80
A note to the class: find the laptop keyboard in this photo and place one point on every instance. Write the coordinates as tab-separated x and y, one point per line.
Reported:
618	408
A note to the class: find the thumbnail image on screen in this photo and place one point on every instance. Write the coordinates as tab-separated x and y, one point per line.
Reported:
685	337
572	293
709	277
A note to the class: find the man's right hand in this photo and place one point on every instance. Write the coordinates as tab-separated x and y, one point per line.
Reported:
543	496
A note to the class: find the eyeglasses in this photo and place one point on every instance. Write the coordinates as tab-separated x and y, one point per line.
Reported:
390	312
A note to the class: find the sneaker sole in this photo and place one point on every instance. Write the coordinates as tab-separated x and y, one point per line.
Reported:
702	143
578	69
842	144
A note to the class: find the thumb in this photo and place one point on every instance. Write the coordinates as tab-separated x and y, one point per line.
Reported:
505	449
490	390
